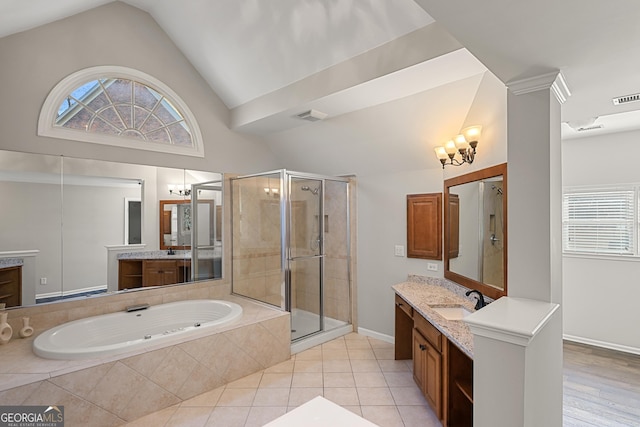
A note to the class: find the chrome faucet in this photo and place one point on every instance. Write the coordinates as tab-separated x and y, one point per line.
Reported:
480	299
136	307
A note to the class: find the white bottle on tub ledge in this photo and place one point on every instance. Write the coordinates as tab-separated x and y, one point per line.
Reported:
26	330
5	329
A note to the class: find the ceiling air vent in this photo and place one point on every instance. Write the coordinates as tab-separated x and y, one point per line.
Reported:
626	99
582	129
312	115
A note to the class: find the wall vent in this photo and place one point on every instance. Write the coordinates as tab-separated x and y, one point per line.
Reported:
312	115
626	99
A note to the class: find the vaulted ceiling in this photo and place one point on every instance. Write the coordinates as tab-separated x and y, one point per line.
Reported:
270	60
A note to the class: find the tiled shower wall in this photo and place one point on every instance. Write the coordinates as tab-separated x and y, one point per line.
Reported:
257	270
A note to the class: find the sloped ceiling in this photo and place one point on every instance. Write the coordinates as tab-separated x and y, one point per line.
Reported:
268	60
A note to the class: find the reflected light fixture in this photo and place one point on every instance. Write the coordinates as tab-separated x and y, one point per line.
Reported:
275	192
179	190
464	144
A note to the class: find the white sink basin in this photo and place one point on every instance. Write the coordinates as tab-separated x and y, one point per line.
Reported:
452	312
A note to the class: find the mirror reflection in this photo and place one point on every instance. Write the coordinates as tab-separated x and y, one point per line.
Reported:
72	220
475	230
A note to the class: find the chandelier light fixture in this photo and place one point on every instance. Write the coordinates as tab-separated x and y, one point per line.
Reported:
464	144
179	190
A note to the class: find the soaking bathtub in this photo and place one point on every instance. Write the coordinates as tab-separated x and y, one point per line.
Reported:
121	332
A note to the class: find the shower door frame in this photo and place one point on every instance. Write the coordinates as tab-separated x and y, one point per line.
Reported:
285	235
286	252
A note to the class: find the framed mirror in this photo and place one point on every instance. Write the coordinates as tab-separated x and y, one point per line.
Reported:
176	223
475	230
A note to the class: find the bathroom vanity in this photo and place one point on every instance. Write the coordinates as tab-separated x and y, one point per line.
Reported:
430	331
157	268
11	283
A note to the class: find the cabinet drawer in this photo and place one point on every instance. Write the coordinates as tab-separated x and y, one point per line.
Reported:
402	304
428	331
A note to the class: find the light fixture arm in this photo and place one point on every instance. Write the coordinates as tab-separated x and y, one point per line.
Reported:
467	155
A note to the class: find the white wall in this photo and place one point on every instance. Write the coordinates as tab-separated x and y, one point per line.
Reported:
601	296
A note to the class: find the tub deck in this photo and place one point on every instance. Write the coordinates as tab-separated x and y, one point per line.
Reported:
126	386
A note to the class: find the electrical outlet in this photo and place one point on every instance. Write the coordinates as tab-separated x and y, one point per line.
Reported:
399	250
432	266
43	280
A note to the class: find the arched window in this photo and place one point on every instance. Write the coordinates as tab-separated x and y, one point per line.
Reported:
121	107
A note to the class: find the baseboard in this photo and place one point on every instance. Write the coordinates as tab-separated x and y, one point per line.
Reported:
376	335
603	344
69	293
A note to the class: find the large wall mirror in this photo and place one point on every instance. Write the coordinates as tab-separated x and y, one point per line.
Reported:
475	235
65	220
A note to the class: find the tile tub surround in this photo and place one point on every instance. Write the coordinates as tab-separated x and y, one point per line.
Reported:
421	296
111	391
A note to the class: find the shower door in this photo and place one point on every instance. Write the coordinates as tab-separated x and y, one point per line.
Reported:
305	255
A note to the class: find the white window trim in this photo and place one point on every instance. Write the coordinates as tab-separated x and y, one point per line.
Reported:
49	112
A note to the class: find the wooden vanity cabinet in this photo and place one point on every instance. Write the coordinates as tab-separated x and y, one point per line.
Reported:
11	286
404	326
159	272
442	371
460	389
129	274
136	273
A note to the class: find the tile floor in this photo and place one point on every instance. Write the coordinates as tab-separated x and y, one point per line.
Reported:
354	371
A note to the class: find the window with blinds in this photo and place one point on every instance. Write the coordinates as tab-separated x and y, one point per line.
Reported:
600	222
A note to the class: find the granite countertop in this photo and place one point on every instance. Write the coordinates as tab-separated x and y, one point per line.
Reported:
164	255
421	296
11	262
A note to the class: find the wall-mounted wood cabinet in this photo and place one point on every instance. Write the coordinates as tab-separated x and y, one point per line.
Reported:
424	226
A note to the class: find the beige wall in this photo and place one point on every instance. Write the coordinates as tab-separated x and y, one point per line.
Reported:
34	61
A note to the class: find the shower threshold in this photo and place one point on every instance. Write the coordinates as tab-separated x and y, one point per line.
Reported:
305	333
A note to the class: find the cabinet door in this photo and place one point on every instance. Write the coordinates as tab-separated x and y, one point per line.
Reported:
427	371
424	226
419	359
159	272
433	379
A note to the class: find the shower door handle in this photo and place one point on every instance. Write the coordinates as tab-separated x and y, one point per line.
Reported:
305	257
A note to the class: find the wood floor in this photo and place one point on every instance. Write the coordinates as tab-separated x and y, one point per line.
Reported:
601	387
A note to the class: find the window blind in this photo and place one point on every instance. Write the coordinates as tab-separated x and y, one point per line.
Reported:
599	222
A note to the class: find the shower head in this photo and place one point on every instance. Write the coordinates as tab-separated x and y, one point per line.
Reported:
307	188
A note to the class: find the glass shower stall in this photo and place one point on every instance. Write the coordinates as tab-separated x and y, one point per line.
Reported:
291	247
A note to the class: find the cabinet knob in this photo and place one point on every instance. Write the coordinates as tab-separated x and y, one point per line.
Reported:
399	304
423	347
